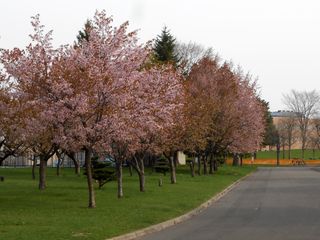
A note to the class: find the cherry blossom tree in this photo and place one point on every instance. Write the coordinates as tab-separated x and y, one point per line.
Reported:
249	126
230	114
202	103
9	121
162	95
107	99
30	70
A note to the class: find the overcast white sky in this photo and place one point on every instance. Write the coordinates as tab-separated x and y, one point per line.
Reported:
276	40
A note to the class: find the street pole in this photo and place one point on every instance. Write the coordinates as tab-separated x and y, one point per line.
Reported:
278	154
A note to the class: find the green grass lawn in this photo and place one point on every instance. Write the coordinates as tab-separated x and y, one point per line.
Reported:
60	211
295	153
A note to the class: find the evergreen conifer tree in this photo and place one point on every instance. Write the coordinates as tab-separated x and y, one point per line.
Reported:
84	34
164	48
271	136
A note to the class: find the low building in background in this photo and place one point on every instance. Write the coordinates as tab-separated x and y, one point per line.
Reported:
286	122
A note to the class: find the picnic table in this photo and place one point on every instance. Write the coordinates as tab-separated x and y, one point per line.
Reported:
297	162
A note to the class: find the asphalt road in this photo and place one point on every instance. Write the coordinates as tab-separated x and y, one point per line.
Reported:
273	203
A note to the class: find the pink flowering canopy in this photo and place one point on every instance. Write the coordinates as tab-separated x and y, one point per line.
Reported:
105	93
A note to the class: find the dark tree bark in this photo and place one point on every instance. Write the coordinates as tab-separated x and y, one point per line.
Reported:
138	165
175	159
119	179
7	151
199	165
92	200
60	161
44	155
313	153
235	161
42	172
205	164
142	182
192	168
130	169
58	168
215	165
3	158
211	167
76	163
172	169
34	164
289	152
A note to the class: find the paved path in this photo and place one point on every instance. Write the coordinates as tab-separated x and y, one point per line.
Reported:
273	203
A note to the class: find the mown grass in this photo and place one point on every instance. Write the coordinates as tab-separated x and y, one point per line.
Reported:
60	211
295	153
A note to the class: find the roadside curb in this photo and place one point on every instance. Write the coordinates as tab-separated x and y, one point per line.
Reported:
182	218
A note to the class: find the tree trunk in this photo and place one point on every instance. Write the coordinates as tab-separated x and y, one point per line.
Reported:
60	157
130	169
3	158
313	153
76	163
278	154
289	153
92	200
137	163
42	173
142	176
119	179
199	165
283	152
34	164
142	182
215	165
192	168
235	161
77	169
211	167
172	170
58	167
205	165
175	159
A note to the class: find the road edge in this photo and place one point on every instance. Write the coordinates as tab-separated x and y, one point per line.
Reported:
182	218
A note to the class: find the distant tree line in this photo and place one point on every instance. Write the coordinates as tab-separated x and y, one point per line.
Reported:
301	123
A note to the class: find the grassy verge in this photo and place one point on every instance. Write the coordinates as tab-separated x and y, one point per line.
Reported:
60	211
295	153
